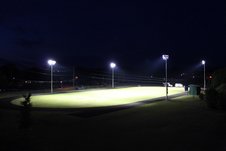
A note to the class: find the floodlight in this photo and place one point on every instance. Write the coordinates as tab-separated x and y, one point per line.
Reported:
51	62
112	65
165	57
204	74
203	62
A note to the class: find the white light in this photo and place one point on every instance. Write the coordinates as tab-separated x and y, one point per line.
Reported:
165	57
203	62
51	62
112	65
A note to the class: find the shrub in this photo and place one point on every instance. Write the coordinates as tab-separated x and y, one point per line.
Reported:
222	101
201	96
219	77
25	121
27	100
212	98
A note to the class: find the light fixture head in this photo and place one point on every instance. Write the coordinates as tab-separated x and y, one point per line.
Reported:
112	65
165	57
51	62
203	62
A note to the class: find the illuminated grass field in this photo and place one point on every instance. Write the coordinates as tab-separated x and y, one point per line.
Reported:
98	97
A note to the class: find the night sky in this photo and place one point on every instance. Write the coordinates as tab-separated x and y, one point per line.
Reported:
133	33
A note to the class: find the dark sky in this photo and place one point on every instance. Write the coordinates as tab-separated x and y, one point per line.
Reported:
132	33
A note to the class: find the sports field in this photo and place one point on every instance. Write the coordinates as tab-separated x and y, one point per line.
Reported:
98	97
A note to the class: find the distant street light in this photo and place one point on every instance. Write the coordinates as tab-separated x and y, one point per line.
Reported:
112	65
51	63
204	74
166	57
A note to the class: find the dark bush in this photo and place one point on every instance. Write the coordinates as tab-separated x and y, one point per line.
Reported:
25	121
219	77
201	96
222	101
27	100
212	98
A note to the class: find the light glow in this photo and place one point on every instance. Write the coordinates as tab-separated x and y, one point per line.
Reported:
165	57
112	65
51	62
203	62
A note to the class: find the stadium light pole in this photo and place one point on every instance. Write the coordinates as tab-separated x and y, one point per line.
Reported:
51	63
204	74
166	57
112	65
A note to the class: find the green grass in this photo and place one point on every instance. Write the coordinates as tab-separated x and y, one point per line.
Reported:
98	97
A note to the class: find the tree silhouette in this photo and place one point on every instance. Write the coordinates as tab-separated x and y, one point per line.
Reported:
25	121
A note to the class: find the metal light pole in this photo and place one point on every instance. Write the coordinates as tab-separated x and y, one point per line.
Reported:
166	57
204	74
112	65
51	63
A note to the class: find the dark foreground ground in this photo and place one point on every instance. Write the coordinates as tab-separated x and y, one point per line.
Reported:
182	124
